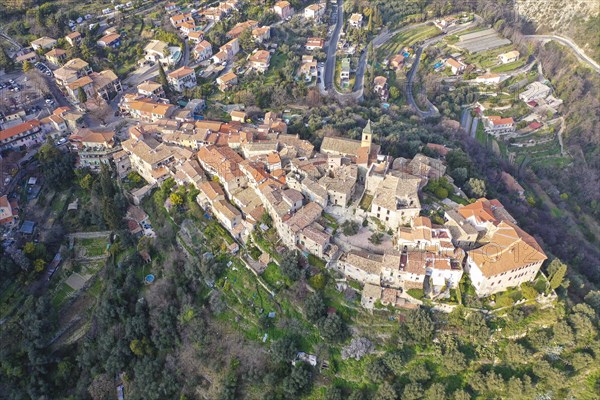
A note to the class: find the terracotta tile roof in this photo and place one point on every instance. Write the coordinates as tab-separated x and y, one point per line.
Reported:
211	190
146	106
510	247
261	56
482	210
368	262
81	82
226	209
18	129
304	217
88	135
340	145
196	35
316	235
454	63
149	86
439	148
315	42
356	17
228	77
56	52
181	72
380	81
108	39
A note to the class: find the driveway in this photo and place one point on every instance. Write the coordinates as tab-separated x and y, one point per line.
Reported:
141	74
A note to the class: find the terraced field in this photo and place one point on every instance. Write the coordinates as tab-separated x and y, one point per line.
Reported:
407	38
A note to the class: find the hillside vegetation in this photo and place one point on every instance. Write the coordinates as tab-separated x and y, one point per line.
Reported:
578	20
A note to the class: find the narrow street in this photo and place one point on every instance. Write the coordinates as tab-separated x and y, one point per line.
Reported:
329	74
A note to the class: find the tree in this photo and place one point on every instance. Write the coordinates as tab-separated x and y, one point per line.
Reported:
39	265
436	391
289	265
102	387
357	349
247	41
86	182
81	96
314	307
318	281
556	271
378	370
440	192
376	238
357	394
162	77
100	109
176	199
461	395
419	325
386	391
284	350
593	299
333	328
350	228
476	187
412	391
459	175
29	248
334	393
57	167
217	304
26	66
394	92
298	381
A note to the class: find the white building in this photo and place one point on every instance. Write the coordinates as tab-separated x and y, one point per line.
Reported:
182	78
535	91
511	258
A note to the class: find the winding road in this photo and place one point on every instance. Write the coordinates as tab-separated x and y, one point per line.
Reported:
569	43
432	110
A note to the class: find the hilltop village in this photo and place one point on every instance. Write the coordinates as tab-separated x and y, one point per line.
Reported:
346	203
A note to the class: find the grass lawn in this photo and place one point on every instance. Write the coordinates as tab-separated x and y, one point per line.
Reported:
365	202
316	261
61	294
416	293
480	134
509	67
407	38
93	247
273	276
248	302
11	297
458	199
277	62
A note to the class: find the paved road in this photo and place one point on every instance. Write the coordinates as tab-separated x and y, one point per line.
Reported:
332	47
569	43
185	59
431	111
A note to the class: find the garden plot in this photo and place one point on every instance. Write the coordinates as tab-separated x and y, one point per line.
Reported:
481	41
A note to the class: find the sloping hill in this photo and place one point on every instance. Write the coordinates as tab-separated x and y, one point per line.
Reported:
576	19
